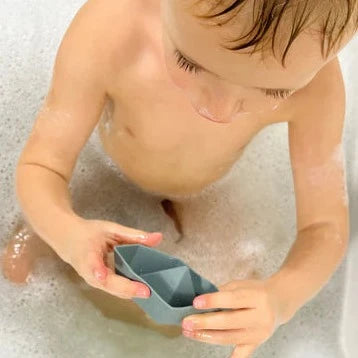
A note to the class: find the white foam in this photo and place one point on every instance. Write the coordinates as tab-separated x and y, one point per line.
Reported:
243	225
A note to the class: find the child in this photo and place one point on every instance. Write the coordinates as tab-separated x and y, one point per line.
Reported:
184	85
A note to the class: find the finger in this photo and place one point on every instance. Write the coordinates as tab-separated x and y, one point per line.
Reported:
104	278
228	337
243	351
126	235
242	298
222	320
124	288
97	268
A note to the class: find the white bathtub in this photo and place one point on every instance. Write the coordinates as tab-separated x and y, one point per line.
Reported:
252	211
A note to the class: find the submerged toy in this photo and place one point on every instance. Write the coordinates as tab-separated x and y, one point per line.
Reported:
173	284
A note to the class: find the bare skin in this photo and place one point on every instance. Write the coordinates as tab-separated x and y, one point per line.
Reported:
23	249
123	131
112	59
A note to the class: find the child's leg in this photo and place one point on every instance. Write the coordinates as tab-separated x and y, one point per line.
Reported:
22	250
172	210
117	309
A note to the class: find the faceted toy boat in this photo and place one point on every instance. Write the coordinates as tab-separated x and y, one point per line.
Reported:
173	284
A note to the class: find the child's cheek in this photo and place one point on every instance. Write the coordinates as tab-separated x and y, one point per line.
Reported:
178	76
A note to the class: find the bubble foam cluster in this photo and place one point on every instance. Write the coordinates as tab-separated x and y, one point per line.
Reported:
239	228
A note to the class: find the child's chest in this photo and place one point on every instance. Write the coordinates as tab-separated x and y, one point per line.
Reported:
154	129
161	117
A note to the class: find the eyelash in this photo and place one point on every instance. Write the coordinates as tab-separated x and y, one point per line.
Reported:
188	66
277	94
184	64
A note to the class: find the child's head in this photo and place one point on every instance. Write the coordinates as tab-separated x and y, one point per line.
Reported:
237	56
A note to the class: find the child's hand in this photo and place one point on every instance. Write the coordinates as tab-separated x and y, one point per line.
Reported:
87	252
254	316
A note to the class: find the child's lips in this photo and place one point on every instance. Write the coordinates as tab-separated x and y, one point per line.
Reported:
206	114
203	112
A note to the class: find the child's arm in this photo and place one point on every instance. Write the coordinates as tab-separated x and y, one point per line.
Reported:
69	115
321	198
258	307
63	125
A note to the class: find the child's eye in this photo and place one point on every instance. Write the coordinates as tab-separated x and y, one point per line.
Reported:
185	64
282	94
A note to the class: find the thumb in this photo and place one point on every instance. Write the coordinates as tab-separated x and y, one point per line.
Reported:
97	266
127	235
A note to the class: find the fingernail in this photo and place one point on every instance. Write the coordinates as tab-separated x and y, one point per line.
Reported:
188	334
199	302
145	237
155	234
142	292
137	236
188	325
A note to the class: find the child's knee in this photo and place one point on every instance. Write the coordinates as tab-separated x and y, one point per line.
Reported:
23	248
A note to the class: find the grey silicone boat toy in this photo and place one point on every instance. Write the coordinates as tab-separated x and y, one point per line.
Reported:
173	284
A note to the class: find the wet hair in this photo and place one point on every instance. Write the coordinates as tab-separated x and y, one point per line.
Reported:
277	23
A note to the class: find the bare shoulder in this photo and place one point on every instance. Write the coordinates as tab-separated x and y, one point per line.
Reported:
324	94
100	36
